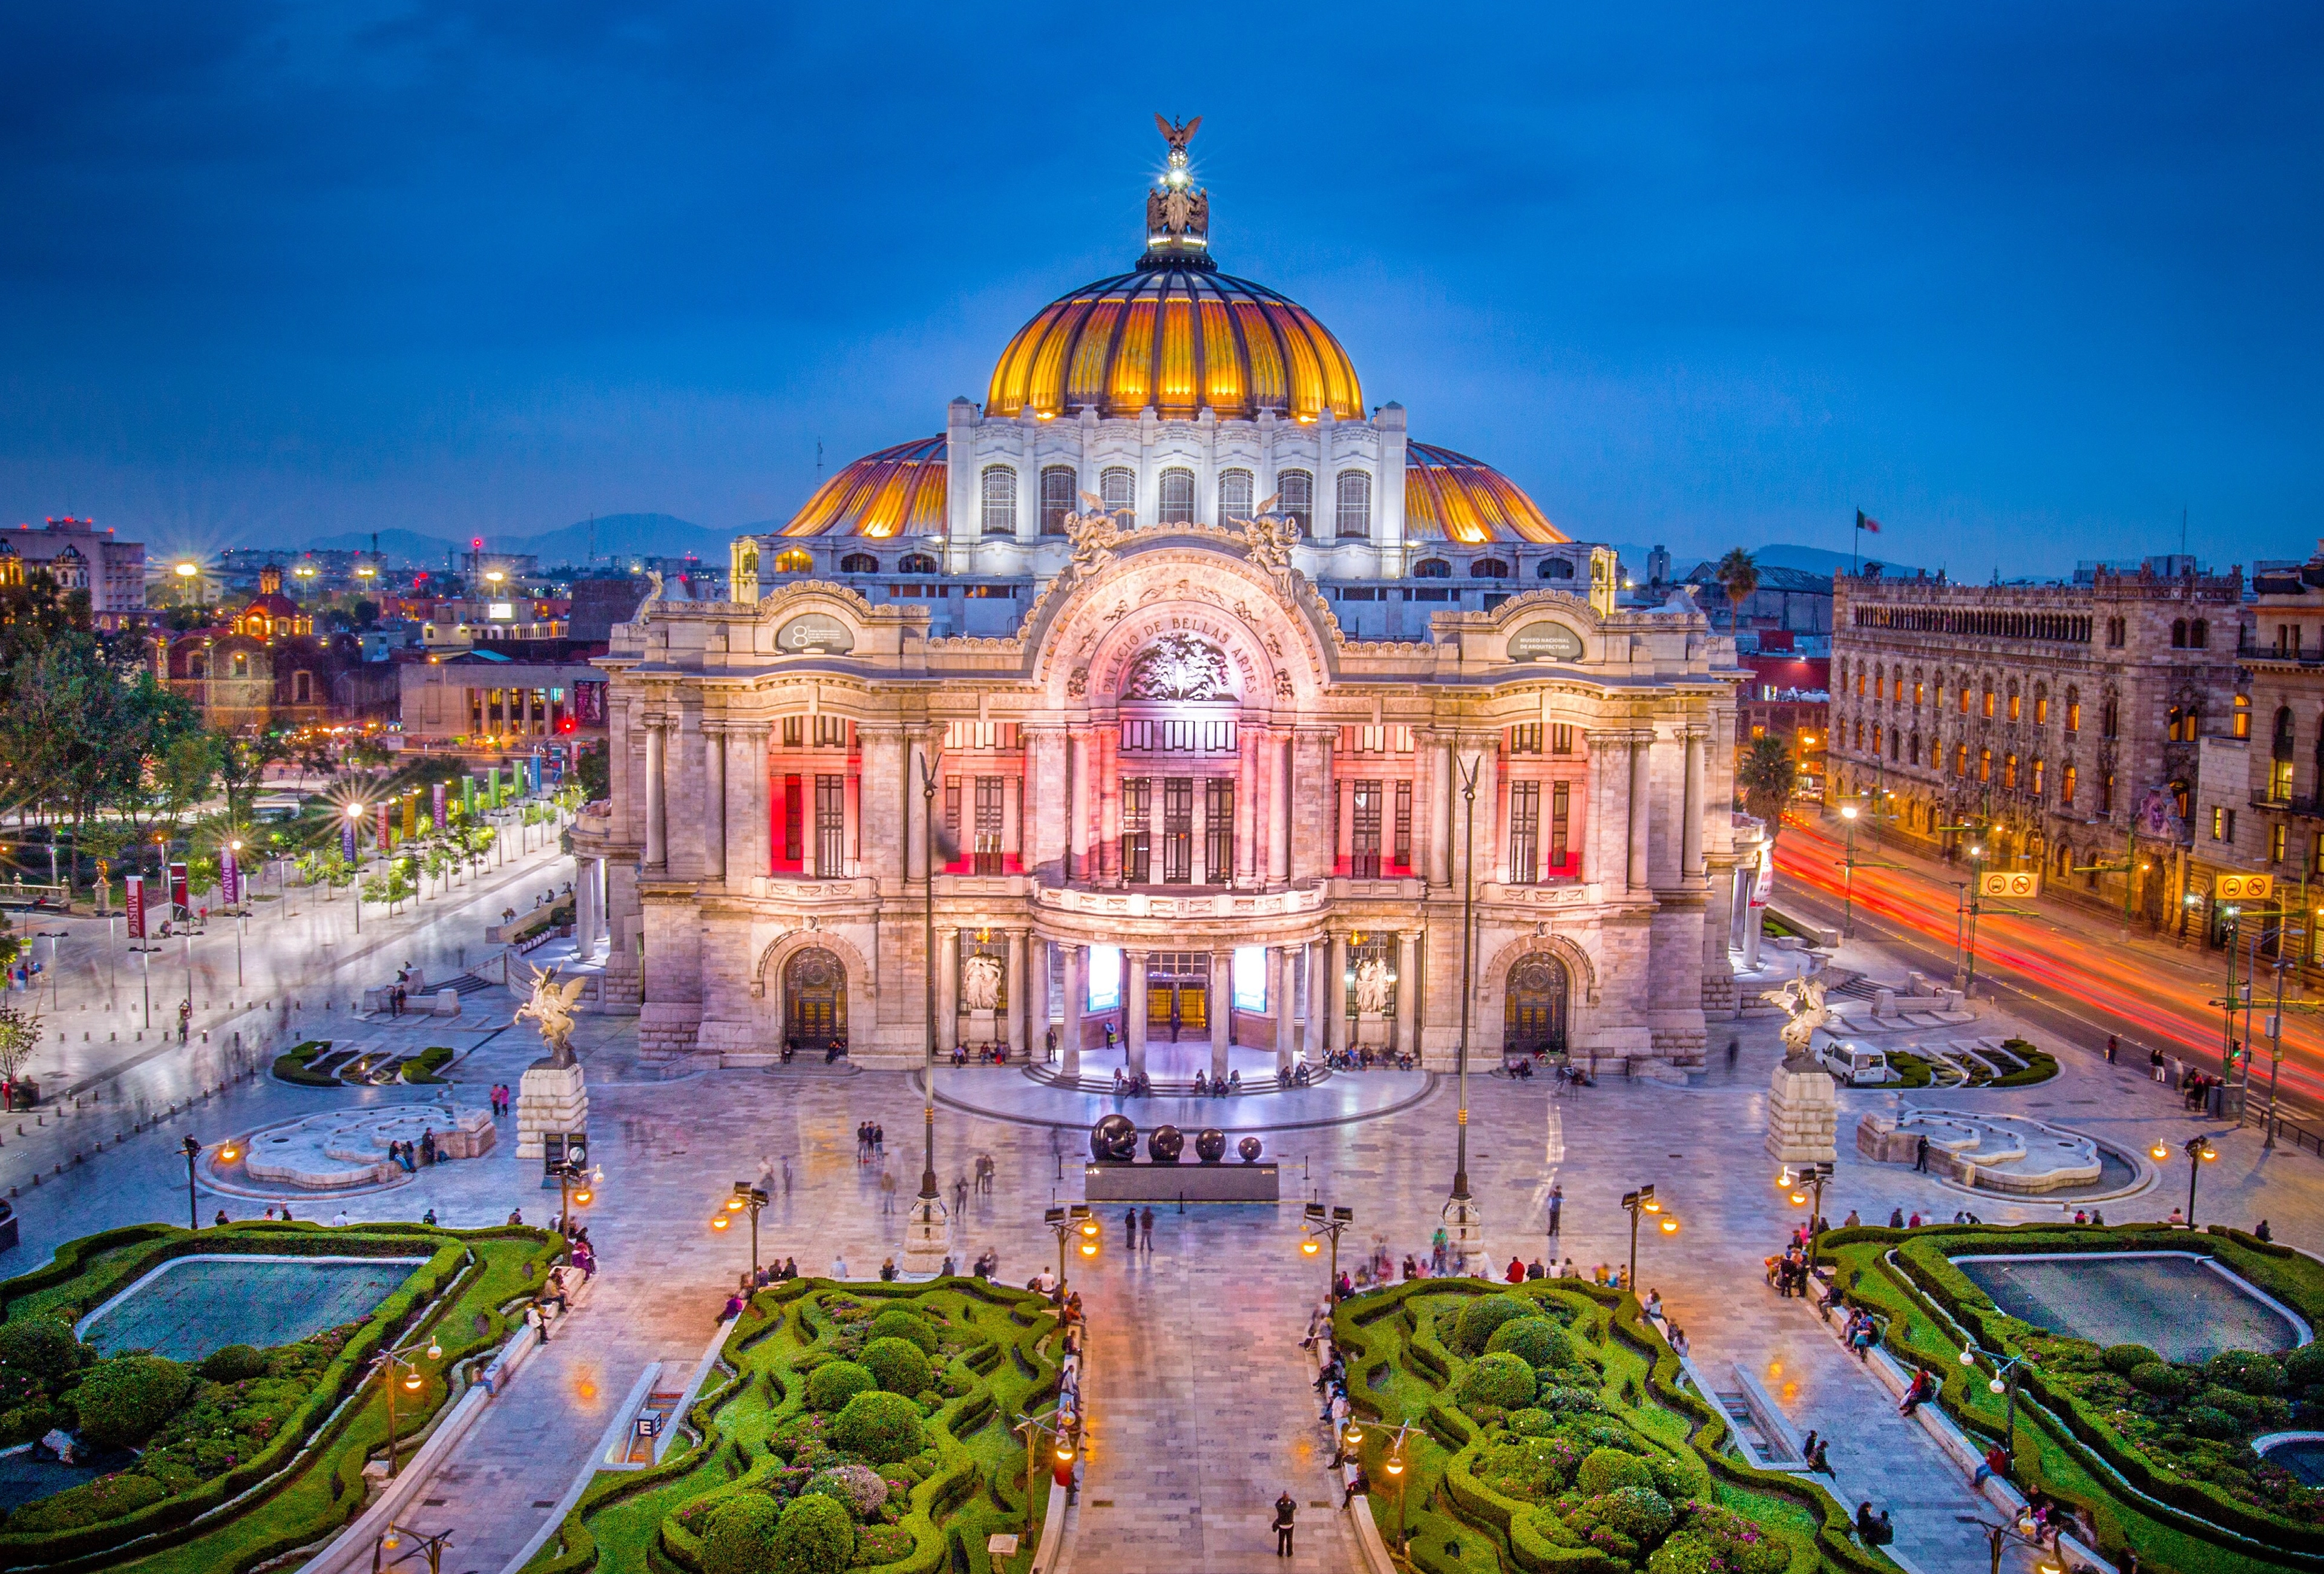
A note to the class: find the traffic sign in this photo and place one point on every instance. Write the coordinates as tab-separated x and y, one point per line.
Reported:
2018	882
2243	887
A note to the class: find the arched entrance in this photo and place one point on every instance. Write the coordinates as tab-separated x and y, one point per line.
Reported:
1534	1008
1177	995
815	1001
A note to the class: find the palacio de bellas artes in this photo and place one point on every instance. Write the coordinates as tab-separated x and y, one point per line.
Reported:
1212	702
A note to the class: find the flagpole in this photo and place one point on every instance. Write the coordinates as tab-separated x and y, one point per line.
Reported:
1854	542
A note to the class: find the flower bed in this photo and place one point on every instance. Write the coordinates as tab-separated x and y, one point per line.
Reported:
1549	1433
2157	1451
848	1426
248	1453
296	1064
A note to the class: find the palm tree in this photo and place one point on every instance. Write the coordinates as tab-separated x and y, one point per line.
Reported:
1739	576
1766	776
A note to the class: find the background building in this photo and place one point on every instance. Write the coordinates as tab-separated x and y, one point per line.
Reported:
82	556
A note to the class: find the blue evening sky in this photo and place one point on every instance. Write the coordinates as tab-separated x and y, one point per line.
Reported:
2021	281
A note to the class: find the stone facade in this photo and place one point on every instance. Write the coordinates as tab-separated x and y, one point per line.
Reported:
2060	718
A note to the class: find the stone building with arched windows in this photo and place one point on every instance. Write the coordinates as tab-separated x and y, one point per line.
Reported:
1186	703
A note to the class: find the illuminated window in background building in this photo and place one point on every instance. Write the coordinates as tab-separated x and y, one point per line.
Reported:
1177	497
1297	490
2015	701
2041	709
2278	836
1104	978
2009	773
797	561
1353	512
2073	711
1985	764
1234	499
1250	978
2243	716
1058	484
2037	776
1000	513
2066	789
1118	487
1989	701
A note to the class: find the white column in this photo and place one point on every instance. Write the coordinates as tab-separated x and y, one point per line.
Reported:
657	751
1691	828
1133	1008
1069	1048
1278	1001
1407	994
1443	766
1312	956
1222	1008
1335	993
1013	1031
716	792
1077	805
1642	754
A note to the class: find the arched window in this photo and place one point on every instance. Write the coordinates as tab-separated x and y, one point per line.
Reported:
1913	752
1177	497
797	561
859	564
1234	494
2198	635
2037	776
2041	705
1118	485
2110	719
915	563
2243	716
2106	793
2066	787
1985	764
1354	512
1297	490
241	659
2279	765
1960	760
1556	569
1488	568
1000	501
1988	699
1432	568
2178	633
2015	700
2073	711
1059	483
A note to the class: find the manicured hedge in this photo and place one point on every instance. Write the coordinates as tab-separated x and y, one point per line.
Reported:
295	1065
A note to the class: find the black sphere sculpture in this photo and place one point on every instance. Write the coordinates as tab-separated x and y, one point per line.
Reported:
1166	1143
1211	1144
1249	1149
1114	1140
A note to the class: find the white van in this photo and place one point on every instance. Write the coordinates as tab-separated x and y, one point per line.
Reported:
1859	1067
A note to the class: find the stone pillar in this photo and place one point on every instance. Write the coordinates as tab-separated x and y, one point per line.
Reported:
1444	793
1078	806
1335	993
1013	1034
1279	1003
1407	992
717	800
1691	828
947	987
584	906
1069	1046
1642	756
656	751
1311	847
1044	809
749	825
1247	843
1133	1008
1311	1014
1222	1008
1108	862
1280	810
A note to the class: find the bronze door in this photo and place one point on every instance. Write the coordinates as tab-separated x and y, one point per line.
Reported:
1532	1019
815	1000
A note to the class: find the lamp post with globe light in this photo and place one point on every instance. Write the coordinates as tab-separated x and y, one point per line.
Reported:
2199	1152
1465	1225
925	1237
2021	1531
424	1545
1847	814
1635	1203
1329	1224
2003	1381
388	1364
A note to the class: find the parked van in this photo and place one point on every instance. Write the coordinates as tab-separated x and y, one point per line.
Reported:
1857	1066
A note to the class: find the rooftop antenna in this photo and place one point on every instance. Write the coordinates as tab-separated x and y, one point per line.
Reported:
819	462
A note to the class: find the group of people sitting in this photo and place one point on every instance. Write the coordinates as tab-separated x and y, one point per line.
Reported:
1364	1060
1860	1332
1299	1075
1217	1086
982	1054
1131	1082
834	1050
411	1157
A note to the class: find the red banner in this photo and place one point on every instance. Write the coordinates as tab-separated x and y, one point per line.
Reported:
136	902
385	809
179	898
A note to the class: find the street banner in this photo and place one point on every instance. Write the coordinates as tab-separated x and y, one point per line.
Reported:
135	901
348	839
468	796
179	897
411	814
229	877
440	805
385	834
492	787
535	764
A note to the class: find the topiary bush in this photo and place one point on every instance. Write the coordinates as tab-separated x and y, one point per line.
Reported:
740	1535
859	1487
2304	1368
900	1323
2160	1378
882	1428
1639	1513
44	1348
1474	1328
833	1384
1535	1340
123	1401
2204	1422
2246	1372
901	1365
1531	1423
2122	1360
1605	1470
814	1535
233	1364
1501	1380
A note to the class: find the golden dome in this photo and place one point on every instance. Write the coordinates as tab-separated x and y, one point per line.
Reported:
1452	497
1178	337
898	491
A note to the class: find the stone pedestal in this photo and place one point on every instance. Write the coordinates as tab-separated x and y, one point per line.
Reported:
1465	1235
1372	1030
548	1098
1803	1116
927	1236
984	1028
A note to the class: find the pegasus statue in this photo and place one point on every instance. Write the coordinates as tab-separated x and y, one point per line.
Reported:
1802	1000
551	1006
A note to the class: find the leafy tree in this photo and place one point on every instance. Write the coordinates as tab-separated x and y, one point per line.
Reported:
595	772
1738	575
242	764
1766	776
20	1039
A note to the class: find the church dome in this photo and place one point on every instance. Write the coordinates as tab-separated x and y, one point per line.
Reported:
1179	338
1452	497
898	491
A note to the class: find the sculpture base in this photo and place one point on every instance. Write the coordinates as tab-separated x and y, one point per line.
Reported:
549	1100
1181	1183
1464	1236
927	1236
1802	1116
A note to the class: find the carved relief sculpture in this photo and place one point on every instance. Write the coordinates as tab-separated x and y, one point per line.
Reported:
1179	666
979	983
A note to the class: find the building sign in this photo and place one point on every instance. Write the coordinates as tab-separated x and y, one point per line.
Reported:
1544	642
816	633
500	611
2243	887
2019	883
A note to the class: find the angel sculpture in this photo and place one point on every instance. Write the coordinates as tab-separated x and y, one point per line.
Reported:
551	1006
1802	1000
1095	535
1268	536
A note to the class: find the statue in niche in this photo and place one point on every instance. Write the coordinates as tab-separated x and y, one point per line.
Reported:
979	983
1371	987
1179	666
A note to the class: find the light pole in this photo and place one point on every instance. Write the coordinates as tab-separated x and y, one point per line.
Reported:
53	935
1318	1222
1034	1429
2003	1381
192	1149
387	1363
354	880
1395	1464
571	1170
1635	1203
2000	1535
425	1545
1847	875
745	1196
928	1230
1812	1178
1065	1223
1460	1209
2199	1150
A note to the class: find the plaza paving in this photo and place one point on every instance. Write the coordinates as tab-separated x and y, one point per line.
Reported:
1200	1408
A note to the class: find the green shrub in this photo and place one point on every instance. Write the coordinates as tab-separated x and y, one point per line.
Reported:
1639	1513
91	1503
43	1346
859	1487
2246	1372
902	1323
832	1384
1742	1545
1531	1423
2122	1360
882	1428
124	1401
1535	1340
2160	1378
1501	1380
814	1536
1473	1328
1605	1470
2304	1368
233	1364
739	1537
25	1423
1690	1554
899	1365
2205	1421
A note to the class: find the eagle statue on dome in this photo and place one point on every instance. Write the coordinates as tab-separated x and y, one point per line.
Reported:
1177	133
1175	208
1095	535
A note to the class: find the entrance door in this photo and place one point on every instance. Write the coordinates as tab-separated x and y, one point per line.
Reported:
815	1001
1177	995
1533	1020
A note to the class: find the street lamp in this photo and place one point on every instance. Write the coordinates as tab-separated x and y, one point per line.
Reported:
1635	1203
1999	1535
190	577
388	1363
1809	1182
1065	1223
1321	1223
192	1149
929	1226
424	1545
1395	1464
2003	1381
52	936
1848	812
745	1196
571	1171
1461	1211
2199	1152
354	886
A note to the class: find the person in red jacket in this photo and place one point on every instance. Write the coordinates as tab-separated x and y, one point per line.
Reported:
1516	1275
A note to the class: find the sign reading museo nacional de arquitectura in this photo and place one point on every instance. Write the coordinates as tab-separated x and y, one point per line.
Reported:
1172	656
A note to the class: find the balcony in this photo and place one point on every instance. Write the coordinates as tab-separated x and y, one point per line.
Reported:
2305	808
2306	656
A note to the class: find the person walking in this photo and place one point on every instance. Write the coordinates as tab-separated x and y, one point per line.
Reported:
787	1175
2112	1044
1146	1229
1921	1155
1556	1207
887	1191
1286	1512
959	1194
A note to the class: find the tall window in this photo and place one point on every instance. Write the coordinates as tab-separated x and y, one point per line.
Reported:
1234	494
1560	795
2279	769
2106	793
1403	824
830	827
1059	483
1177	497
1297	490
999	500
1525	832
2278	836
1118	487
1985	764
1218	830
1525	738
1364	835
1989	701
990	815
2037	776
1136	830
2117	630
2066	788
1354	512
2109	719
2073	711
1178	829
